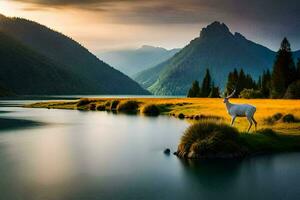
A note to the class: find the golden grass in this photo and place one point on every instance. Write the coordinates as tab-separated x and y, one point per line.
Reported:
205	106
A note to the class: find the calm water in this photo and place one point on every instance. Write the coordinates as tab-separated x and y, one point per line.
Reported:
61	154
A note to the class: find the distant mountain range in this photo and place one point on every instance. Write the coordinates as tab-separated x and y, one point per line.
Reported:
37	60
216	49
132	61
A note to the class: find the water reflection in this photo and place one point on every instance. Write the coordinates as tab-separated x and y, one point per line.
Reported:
10	124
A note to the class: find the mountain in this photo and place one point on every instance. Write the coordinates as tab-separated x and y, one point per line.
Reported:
132	61
216	49
25	72
76	63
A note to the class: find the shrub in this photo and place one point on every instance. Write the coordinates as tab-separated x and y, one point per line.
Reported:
83	102
150	110
251	94
128	107
274	118
289	118
209	139
181	116
114	104
101	108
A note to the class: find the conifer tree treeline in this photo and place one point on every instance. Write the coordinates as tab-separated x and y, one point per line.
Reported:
282	82
207	89
194	91
239	81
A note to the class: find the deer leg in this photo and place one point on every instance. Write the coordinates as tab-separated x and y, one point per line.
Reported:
232	120
255	123
250	122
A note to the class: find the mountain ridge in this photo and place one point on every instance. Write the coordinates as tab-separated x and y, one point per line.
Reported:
99	77
24	71
217	49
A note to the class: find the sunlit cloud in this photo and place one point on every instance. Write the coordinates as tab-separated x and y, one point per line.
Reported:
105	24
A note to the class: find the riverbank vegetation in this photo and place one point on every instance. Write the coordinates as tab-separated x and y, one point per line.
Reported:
271	113
210	139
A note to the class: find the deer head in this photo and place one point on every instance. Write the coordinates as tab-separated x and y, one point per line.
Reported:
228	97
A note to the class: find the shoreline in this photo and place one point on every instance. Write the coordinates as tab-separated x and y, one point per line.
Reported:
287	138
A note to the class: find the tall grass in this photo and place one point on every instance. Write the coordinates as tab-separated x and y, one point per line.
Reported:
209	139
150	110
130	107
83	102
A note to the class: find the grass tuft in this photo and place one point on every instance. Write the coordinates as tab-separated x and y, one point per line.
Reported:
274	118
289	118
150	110
181	116
208	139
130	107
83	102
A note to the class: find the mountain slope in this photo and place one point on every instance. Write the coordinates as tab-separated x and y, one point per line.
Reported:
70	56
131	61
216	49
24	71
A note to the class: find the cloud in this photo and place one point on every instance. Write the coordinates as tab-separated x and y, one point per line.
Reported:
267	18
188	11
66	2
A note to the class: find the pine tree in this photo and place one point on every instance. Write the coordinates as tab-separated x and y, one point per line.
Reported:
194	91
206	85
214	93
259	83
242	83
266	84
232	81
284	71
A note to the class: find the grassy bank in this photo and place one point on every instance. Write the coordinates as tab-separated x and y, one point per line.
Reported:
192	110
209	139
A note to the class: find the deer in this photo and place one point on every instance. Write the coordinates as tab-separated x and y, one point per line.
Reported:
240	110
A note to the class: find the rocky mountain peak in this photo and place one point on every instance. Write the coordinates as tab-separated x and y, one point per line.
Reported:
215	29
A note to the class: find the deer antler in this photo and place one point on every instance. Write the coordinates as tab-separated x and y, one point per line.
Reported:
231	94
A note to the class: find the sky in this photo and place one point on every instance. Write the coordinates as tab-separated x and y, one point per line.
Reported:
103	25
